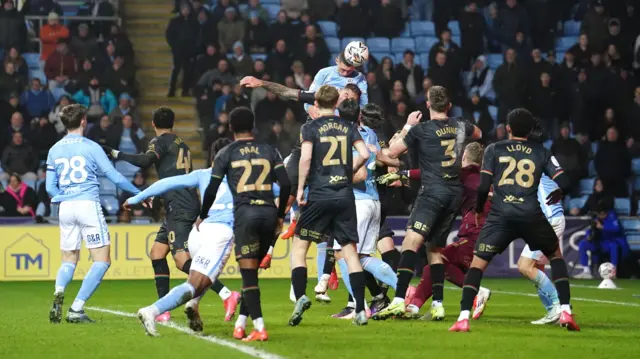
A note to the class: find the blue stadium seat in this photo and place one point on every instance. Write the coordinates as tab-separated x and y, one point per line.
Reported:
126	169
571	28
277	2
495	60
592	169
38	74
623	206
424	60
329	28
110	203
424	44
564	43
243	8
635	165
32	59
578	202
456	40
454	26
594	147
560	56
107	187
345	41
456	111
586	185
30	183
547	144
140	221
272	9
262	57
630	224
381	55
400	45
422	28
333	43
397	58
493	111
332	59
406	32
379	44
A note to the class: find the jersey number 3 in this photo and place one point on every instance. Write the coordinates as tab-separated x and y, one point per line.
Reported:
334	142
248	168
525	167
449	152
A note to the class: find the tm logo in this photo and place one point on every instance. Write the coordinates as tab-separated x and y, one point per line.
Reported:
28	258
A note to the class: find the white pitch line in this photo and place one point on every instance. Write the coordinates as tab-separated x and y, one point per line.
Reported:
625	304
251	351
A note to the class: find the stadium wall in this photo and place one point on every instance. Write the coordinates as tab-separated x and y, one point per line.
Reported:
31	252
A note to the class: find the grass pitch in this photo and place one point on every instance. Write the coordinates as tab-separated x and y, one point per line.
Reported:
610	322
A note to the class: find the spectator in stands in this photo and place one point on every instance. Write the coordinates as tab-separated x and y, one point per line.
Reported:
230	29
10	80
511	19
472	29
238	98
54	115
84	45
98	100
254	8
570	155
131	139
207	31
102	8
51	34
633	113
106	58
543	101
43	201
384	74
18	124
221	100
410	74
595	25
257	35
311	35
352	19
508	85
43	136
18	200
291	124
280	139
615	37
387	20
207	61
123	46
19	64
293	8
591	204
613	164
421	98
137	210
218	12
44	7
375	92
447	46
581	51
322	9
538	65
37	100
480	79
282	29
298	74
443	73
119	77
222	74
13	31
240	61
279	61
523	47
313	61
19	158
268	110
8	105
181	35
124	108
104	133
476	110
60	67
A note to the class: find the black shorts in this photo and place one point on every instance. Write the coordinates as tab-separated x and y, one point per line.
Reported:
498	232
254	230
433	214
332	216
174	232
385	231
292	172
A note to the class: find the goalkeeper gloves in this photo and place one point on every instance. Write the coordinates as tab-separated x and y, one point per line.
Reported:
389	178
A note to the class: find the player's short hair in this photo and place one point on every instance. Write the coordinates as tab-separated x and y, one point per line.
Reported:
219	144
355	89
163	117
372	116
241	120
327	97
474	151
521	122
538	133
72	116
438	99
349	110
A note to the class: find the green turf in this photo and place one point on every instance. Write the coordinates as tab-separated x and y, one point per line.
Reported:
609	330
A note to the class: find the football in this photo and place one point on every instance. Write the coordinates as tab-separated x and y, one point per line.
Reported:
607	270
356	53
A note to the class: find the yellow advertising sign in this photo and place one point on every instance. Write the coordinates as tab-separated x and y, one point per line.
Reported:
33	253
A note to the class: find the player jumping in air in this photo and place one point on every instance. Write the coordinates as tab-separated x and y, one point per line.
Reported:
73	166
438	143
251	168
327	160
172	157
514	168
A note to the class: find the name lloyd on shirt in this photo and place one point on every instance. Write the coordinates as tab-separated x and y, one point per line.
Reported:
519	148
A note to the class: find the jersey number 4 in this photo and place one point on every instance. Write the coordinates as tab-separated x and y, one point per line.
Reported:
525	167
334	143
248	166
183	162
74	167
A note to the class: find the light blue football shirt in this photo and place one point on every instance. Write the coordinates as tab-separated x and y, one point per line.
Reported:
371	190
546	186
330	76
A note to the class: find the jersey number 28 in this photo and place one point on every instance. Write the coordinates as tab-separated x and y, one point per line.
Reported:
524	176
74	167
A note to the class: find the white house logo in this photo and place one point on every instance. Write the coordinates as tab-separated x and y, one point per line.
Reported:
27	257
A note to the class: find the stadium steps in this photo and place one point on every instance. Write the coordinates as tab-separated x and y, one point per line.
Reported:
146	21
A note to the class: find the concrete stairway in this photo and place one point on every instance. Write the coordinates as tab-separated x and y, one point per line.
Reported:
145	22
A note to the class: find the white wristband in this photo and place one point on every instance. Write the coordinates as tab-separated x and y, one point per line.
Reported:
407	127
115	153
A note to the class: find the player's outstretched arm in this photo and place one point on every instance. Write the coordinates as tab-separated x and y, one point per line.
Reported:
280	90
142	160
164	185
362	157
382	157
110	172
